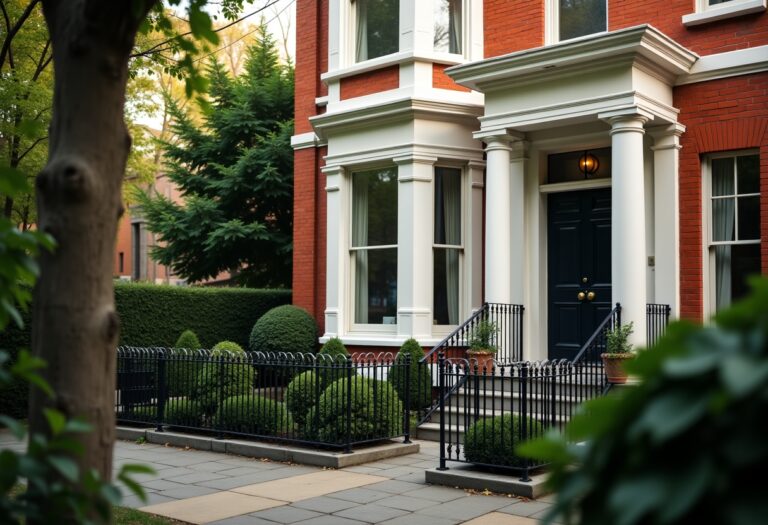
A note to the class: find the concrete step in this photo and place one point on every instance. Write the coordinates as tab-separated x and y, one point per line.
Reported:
456	417
510	401
571	386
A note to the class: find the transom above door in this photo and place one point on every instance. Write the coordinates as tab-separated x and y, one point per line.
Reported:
579	268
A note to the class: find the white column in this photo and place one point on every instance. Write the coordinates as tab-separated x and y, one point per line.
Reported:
519	158
628	254
335	261
666	194
414	243
498	219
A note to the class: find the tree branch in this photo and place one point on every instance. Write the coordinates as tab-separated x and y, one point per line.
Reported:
15	29
34	144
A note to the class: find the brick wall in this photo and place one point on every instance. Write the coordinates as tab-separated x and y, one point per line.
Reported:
309	25
721	115
512	25
371	82
443	81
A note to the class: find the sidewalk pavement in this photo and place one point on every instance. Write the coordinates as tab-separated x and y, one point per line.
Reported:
213	488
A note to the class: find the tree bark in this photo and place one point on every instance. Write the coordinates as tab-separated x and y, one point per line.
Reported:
75	326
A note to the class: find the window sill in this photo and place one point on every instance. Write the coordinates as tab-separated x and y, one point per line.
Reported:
403	57
726	11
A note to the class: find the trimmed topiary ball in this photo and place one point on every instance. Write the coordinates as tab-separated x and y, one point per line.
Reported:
254	415
420	376
286	328
302	393
377	412
493	441
223	347
180	412
335	349
182	367
234	372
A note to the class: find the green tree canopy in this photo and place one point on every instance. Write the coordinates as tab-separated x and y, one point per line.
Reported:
235	174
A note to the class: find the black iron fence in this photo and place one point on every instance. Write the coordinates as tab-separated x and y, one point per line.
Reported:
588	370
484	416
657	316
297	398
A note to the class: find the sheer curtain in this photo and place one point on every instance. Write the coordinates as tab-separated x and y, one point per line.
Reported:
454	26
723	217
359	240
452	219
362	29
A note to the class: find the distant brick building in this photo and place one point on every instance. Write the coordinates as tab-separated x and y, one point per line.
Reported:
564	155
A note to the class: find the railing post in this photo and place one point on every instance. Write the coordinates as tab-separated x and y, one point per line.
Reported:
523	416
222	380
348	448
618	315
161	390
407	406
441	389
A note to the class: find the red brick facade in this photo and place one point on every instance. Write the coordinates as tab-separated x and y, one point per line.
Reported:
721	115
371	82
512	25
443	81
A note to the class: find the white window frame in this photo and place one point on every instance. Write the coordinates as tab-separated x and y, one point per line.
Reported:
552	22
706	13
349	28
445	329
466	18
354	328
708	245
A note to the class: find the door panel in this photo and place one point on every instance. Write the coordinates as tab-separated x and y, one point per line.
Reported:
579	255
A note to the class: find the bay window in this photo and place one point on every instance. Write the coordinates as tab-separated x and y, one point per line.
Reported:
447	246
378	28
734	225
374	246
574	18
448	26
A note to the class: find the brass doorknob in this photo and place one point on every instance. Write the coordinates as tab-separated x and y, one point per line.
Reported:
581	296
591	295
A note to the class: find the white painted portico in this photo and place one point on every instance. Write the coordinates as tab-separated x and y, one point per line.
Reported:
610	89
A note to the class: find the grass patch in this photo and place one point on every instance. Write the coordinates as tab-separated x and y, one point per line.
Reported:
128	516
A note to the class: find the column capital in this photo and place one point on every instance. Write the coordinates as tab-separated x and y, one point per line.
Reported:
666	137
631	119
415	158
498	139
332	169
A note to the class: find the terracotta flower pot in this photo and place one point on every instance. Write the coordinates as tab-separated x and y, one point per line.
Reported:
483	360
614	367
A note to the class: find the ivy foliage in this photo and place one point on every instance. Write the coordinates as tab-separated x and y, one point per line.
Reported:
235	173
687	445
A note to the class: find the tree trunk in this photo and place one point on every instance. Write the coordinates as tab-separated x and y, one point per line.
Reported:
75	326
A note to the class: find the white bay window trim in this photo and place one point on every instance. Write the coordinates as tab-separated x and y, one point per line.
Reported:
706	13
552	22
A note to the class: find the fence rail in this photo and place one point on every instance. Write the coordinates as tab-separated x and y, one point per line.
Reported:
295	398
657	316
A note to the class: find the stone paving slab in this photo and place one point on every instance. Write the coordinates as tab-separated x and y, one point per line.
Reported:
324	504
286	514
498	518
360	495
213	507
307	486
372	513
466	508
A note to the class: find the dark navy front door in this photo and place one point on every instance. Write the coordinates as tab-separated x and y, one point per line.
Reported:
579	268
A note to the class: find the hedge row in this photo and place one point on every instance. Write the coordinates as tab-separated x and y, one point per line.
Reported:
154	315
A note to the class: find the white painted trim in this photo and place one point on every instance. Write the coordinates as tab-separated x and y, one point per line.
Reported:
552	21
394	341
399	58
706	13
576	185
728	64
321	101
306	140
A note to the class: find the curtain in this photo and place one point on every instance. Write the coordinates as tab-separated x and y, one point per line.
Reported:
452	217
362	30
454	26
360	239
723	218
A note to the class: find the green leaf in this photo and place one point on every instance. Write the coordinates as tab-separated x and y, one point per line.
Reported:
666	416
201	25
56	420
742	375
31	129
16	428
136	468
78	426
13	181
64	466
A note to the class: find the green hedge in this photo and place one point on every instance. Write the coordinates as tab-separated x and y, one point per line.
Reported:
155	315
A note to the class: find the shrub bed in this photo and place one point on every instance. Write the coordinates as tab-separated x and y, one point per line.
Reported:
492	441
178	411
420	380
302	393
236	374
254	415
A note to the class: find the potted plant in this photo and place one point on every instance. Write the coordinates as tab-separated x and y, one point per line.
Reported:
481	348
618	350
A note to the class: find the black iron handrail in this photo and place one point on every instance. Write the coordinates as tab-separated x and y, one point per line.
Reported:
614	315
447	341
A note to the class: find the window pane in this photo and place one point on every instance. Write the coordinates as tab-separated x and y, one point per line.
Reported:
376	286
733	265
448	26
446	286
378	28
748	169
722	177
374	208
448	206
581	17
749	218
723	216
715	2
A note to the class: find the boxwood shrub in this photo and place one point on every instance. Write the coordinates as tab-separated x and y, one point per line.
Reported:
302	393
179	411
286	328
377	412
254	415
237	377
181	368
493	441
420	380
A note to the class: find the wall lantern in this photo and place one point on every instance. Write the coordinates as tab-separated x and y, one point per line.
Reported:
588	164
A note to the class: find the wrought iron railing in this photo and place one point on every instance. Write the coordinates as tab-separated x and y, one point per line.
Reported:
588	368
297	398
657	316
